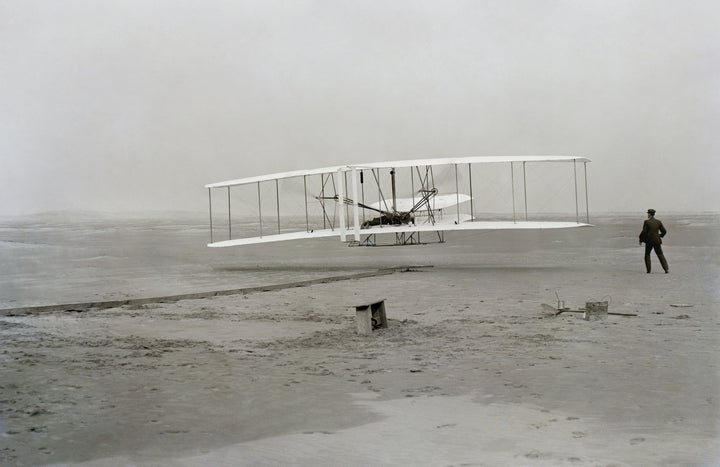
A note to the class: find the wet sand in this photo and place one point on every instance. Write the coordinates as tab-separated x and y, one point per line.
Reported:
470	371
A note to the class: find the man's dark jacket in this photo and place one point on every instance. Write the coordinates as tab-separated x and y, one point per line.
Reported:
653	231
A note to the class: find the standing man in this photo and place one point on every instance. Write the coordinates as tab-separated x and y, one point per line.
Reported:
652	233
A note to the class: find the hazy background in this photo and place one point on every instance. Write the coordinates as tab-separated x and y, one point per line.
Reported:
125	105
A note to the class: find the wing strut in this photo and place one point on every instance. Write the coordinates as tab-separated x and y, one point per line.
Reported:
512	185
259	208
342	208
587	204
229	217
412	185
211	227
356	210
472	209
392	182
525	190
307	218
577	209
277	198
457	194
362	189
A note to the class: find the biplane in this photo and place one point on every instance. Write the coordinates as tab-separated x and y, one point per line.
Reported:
366	204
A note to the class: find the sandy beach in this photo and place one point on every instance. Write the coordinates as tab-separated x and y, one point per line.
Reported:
472	370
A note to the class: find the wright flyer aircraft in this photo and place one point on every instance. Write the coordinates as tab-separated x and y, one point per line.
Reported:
403	202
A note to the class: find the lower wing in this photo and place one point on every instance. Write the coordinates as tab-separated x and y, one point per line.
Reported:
447	224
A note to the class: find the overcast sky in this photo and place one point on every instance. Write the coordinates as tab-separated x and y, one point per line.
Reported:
134	105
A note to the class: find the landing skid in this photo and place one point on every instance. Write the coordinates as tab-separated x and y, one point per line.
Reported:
401	239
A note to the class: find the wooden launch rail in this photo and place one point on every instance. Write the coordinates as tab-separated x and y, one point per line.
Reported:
84	306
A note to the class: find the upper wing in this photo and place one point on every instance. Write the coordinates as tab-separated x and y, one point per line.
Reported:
397	164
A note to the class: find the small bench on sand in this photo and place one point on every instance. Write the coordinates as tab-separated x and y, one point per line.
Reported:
370	316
